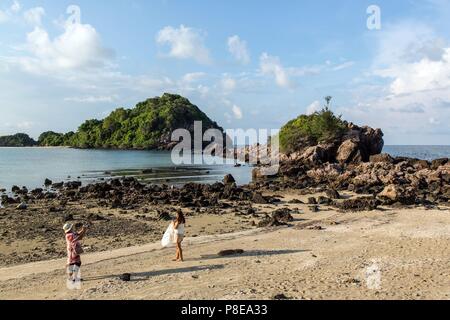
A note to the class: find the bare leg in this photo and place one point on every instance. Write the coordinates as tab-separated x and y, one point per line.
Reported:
180	250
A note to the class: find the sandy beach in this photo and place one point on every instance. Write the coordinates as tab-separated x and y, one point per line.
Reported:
384	254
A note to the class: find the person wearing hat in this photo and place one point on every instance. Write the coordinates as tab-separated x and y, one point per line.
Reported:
74	249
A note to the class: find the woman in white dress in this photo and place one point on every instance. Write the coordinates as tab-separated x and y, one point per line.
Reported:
179	232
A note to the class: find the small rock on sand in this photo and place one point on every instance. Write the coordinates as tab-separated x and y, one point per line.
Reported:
225	253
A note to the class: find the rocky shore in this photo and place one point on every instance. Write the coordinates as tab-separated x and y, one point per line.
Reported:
349	174
355	163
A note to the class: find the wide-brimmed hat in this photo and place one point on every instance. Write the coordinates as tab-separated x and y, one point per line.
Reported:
67	227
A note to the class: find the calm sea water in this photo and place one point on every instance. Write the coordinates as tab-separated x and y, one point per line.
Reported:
419	152
30	166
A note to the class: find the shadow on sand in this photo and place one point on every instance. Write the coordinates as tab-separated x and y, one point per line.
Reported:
252	253
141	276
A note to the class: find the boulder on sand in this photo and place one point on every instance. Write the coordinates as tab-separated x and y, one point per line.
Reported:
258	198
225	253
395	193
283	215
22	206
333	194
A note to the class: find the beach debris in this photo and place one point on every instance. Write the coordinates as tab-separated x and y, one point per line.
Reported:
317	227
48	182
225	253
126	277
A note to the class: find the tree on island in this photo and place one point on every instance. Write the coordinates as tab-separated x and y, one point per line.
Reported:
309	130
17	140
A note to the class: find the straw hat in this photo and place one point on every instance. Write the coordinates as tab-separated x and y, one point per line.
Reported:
67	227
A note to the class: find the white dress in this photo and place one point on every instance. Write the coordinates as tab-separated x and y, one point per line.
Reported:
180	231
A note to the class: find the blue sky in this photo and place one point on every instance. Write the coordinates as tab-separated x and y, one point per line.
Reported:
247	64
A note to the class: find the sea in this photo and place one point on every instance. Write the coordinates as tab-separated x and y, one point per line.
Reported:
31	166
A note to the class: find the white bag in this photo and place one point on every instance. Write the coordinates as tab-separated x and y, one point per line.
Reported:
168	239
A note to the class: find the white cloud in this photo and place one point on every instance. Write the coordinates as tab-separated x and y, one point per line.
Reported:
34	16
76	49
16	6
3	17
193	77
237	112
184	43
92	99
344	65
313	107
8	14
272	66
228	84
417	76
414	64
238	48
21	125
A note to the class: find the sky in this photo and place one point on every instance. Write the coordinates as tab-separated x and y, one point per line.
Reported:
247	64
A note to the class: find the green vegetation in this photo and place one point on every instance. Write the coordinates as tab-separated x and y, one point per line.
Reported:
17	140
148	126
309	130
53	139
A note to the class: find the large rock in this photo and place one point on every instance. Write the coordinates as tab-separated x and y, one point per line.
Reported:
359	144
396	193
381	158
316	155
349	152
263	173
438	163
390	192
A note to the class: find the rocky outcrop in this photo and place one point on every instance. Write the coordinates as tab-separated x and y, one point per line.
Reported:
392	180
359	144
